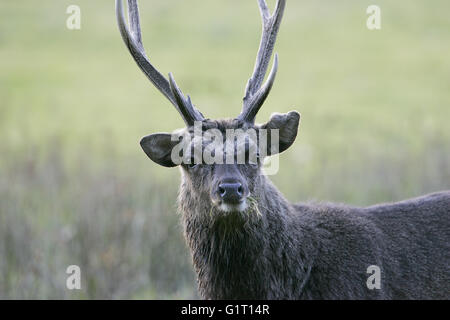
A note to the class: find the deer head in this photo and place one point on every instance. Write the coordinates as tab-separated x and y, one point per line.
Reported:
226	184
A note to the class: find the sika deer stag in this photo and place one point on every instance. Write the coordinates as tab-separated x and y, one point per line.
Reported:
248	242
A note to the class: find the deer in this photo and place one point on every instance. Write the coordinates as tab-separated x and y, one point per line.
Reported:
248	242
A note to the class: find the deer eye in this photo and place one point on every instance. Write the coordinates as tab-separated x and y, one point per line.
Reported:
255	162
192	165
254	165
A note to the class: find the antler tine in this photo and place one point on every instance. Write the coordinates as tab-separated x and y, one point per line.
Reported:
255	95
133	17
133	40
189	109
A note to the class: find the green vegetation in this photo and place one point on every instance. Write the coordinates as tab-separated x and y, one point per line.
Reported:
75	187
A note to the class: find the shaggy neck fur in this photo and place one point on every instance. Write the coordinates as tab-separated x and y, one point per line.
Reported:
245	255
318	251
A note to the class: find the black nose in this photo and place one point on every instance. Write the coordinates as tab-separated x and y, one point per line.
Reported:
231	192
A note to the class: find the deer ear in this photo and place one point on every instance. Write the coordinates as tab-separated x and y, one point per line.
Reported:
158	147
287	124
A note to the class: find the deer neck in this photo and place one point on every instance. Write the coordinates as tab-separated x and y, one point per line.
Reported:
230	251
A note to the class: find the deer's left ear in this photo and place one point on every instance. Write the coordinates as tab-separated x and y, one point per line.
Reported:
287	125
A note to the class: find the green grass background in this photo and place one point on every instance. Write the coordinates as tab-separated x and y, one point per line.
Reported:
75	187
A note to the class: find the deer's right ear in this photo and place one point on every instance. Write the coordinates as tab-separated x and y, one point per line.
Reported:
158	147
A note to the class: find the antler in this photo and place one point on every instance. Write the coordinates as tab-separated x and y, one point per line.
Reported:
255	95
133	40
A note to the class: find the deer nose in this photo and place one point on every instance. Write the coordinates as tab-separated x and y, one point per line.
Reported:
231	192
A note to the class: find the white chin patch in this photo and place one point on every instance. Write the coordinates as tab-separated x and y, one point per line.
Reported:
225	207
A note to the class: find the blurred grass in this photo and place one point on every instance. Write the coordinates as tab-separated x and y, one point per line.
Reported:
75	188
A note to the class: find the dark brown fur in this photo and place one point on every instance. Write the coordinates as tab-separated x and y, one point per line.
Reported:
313	251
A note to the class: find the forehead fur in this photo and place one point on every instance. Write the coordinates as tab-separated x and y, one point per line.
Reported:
235	138
223	124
